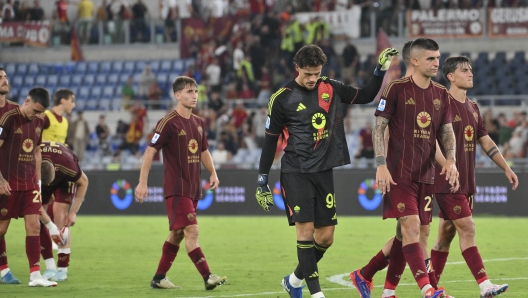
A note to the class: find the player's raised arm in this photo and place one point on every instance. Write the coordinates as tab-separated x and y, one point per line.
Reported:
493	152
449	145
141	188
383	177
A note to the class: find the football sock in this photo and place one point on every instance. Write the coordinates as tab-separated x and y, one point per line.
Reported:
414	257
168	255
425	288
295	281
431	273
33	253
396	265
377	263
306	256
4	271
388	293
319	252
485	285
198	258
474	262
438	259
3	254
45	243
50	264
64	257
318	295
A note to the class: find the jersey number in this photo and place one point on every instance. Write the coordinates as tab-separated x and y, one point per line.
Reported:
471	201
71	186
428	203
330	201
36	198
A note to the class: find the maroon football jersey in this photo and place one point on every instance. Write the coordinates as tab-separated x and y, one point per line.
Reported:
182	141
66	163
415	117
17	154
468	127
8	106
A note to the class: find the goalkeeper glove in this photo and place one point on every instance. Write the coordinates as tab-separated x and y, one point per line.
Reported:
264	196
384	60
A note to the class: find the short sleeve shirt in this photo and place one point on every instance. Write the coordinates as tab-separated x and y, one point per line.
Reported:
66	163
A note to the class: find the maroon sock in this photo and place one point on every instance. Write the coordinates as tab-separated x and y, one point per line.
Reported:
432	279
167	257
3	254
414	257
64	260
377	263
438	260
33	252
474	262
396	265
198	258
46	249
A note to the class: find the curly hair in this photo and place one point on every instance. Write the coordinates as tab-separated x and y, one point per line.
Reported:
310	56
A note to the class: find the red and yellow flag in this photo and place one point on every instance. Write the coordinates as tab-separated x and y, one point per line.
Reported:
76	51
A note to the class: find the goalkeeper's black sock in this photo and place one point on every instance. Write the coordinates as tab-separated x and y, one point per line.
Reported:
308	264
319	252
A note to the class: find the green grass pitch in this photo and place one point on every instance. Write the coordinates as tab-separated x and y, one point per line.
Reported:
117	257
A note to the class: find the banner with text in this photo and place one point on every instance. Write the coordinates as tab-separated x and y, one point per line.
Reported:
345	22
36	34
445	23
508	22
112	193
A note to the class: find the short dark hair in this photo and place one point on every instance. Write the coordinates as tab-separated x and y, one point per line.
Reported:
310	56
47	172
1	68
40	95
60	94
406	52
451	64
425	44
181	82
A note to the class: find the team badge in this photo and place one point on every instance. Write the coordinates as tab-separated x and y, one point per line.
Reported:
27	145
325	96
457	209
468	133
190	216
38	131
401	207
423	119
200	130
268	123
3	211
437	104
155	138
193	146
475	115
381	105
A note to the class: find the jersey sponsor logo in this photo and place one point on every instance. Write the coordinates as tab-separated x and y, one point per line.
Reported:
155	138
301	107
410	101
268	121
381	105
437	104
193	146
325	96
182	133
18	130
468	133
27	145
423	119
319	123
457	118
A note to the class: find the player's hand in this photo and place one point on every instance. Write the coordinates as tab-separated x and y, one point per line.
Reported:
213	180
55	233
264	196
512	178
451	172
71	219
385	58
455	187
384	179
5	189
141	192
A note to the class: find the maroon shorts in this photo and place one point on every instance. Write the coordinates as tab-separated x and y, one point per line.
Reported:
454	206
409	198
64	193
20	203
181	212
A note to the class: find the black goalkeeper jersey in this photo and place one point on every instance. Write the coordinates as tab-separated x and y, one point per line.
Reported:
311	121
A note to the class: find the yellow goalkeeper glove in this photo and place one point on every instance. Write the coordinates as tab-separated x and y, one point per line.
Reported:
385	58
263	195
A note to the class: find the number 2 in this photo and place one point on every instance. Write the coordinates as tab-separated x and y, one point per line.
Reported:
428	204
36	198
330	200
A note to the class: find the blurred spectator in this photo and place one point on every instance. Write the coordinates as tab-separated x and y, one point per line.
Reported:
218	8
217	104
127	94
184	8
239	114
8	12
61	24
213	73
101	12
514	147
238	56
121	131
36	13
145	81
246	92
168	14
259	124
81	135
139	21
103	133
245	73
491	125
229	137
341	5
350	60
365	16
220	155
154	96
195	46
265	87
365	142
21	11
504	131
117	11
135	128
85	14
231	92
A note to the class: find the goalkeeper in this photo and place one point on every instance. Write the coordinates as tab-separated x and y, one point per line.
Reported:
308	113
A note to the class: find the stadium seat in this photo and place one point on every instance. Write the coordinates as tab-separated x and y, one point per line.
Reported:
21	69
64	81
53	81
500	57
105	67
96	92
10	69
40	80
104	104
80	104
467	54
84	93
16	81
140	65
69	67
162	79
113	79
29	81
129	67
166	66
154	66
33	69
483	56
93	67
75	91
100	79
108	92
116	104
89	80
24	91
81	67
136	77
117	67
188	62
443	57
91	105
76	80
123	78
178	66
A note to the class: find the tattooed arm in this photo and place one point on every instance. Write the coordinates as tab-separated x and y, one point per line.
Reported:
493	152
449	145
383	177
